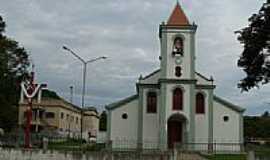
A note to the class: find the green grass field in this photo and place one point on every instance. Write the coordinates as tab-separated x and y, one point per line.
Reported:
227	157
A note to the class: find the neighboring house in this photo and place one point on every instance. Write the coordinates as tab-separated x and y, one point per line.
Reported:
90	123
175	104
57	117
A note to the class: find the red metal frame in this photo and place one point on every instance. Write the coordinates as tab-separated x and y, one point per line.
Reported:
27	131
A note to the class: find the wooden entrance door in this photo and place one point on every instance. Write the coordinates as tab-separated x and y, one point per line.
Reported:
174	133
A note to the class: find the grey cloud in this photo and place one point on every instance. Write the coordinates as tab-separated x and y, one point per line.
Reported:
127	32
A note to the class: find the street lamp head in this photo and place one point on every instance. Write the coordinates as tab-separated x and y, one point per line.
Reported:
65	48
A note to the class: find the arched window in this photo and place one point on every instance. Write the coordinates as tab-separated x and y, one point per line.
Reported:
178	46
200	107
152	102
177	99
178	71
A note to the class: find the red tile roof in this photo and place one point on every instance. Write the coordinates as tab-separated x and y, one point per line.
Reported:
178	17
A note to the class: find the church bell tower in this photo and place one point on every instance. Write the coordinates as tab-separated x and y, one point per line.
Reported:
177	79
177	38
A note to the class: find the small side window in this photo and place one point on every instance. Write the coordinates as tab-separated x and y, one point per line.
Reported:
124	116
225	118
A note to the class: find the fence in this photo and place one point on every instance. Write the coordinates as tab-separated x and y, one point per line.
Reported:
211	147
57	142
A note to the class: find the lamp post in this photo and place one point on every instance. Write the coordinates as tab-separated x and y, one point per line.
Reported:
84	62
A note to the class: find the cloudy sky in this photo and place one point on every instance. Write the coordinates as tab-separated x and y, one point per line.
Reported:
127	32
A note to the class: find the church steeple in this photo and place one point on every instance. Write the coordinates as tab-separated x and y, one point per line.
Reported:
177	39
178	17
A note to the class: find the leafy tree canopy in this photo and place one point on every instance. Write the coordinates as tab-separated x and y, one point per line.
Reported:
50	94
14	63
266	114
254	59
257	127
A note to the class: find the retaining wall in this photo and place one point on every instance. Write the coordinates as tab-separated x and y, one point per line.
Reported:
20	154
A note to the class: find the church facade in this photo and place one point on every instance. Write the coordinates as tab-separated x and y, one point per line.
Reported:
175	105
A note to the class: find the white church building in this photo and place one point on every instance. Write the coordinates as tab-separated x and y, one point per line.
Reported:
175	105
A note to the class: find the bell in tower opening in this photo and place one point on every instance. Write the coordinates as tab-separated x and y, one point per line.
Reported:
178	47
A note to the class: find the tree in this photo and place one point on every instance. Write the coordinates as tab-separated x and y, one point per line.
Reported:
255	60
14	63
266	114
103	121
256	127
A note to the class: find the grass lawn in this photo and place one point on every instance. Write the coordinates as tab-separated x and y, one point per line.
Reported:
226	157
260	150
74	145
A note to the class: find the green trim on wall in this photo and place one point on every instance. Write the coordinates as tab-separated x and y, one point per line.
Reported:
164	27
109	127
162	119
205	86
120	103
203	77
163	54
157	86
140	119
241	128
178	81
151	74
210	116
192	55
229	104
191	135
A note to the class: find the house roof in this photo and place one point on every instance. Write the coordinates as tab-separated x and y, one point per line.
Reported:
90	109
178	17
121	102
229	104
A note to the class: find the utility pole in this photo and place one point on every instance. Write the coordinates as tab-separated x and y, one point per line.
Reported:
84	62
71	94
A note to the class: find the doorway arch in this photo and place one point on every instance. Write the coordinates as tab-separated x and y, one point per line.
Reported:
175	124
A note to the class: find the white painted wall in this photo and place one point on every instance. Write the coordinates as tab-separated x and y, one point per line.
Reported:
202	120
226	132
150	122
124	131
153	79
186	107
169	101
201	80
187	61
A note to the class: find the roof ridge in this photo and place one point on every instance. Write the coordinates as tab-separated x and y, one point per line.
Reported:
178	16
229	104
151	74
121	102
202	76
